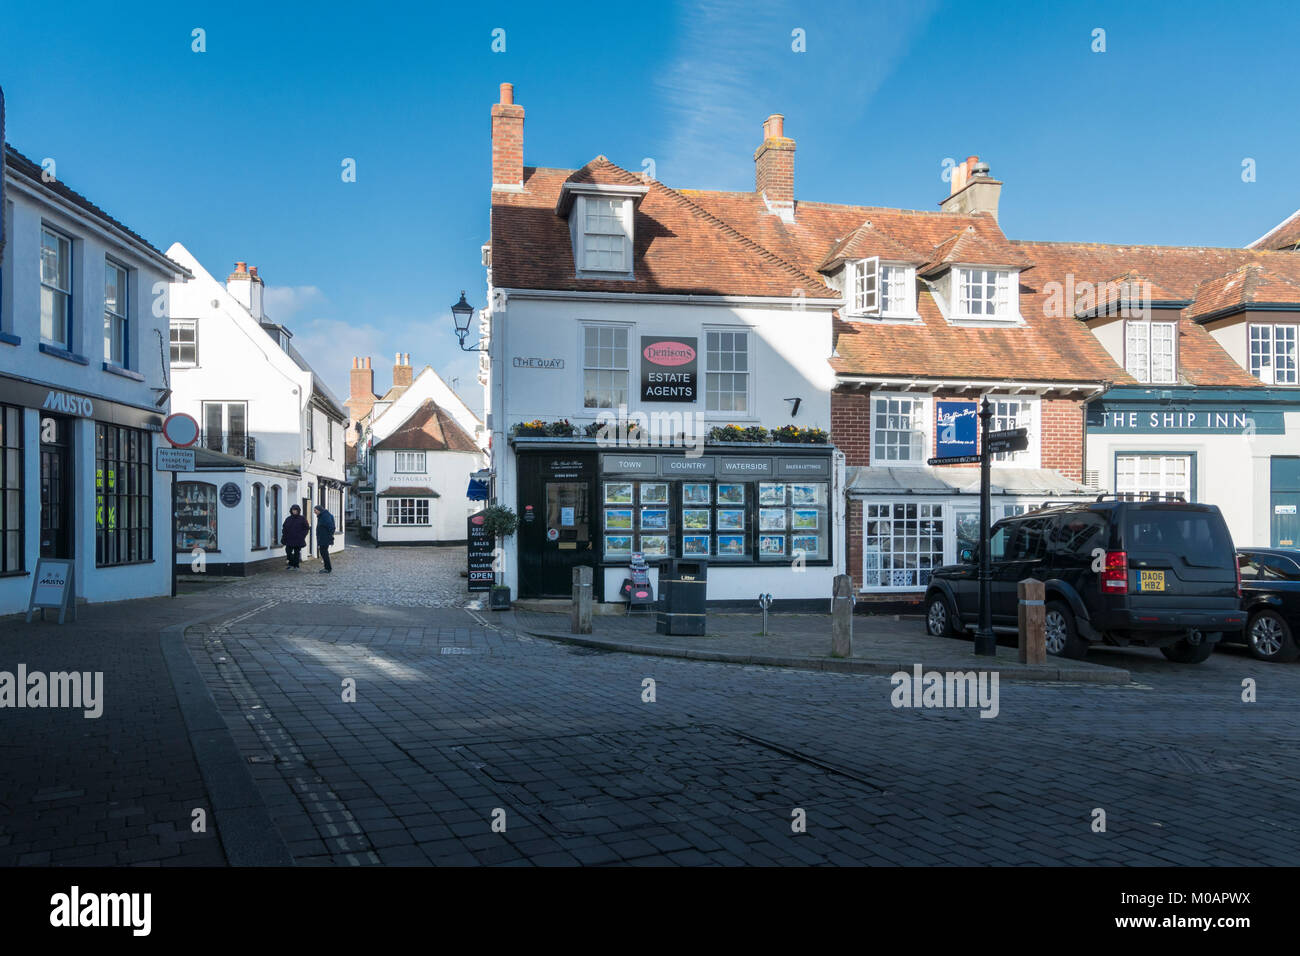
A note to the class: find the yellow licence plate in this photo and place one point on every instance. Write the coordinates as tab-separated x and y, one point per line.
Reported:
1152	581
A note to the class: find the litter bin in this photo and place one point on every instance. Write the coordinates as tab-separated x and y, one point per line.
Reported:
682	585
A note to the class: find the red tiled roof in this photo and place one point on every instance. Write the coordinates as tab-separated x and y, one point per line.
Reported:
428	428
1242	288
678	246
868	240
408	491
987	248
1284	236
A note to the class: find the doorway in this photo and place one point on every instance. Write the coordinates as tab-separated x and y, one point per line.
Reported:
1284	503
57	488
556	528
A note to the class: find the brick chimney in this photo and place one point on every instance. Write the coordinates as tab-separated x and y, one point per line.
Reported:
774	162
361	395
508	142
246	287
402	374
972	189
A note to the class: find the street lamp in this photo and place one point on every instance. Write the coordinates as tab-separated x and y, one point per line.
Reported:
461	313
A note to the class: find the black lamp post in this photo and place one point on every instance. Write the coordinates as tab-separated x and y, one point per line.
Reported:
461	313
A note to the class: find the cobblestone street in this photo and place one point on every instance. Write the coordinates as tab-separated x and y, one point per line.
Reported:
457	721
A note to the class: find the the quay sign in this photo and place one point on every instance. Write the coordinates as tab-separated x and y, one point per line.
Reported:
1165	419
668	369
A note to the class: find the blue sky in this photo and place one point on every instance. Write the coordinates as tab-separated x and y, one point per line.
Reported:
237	152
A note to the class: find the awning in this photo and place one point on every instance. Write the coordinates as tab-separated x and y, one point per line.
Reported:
950	480
408	491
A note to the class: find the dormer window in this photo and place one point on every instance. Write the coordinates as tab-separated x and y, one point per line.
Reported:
601	220
985	293
606	238
886	289
1150	351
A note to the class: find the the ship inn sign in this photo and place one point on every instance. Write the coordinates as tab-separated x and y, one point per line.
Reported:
1184	419
668	369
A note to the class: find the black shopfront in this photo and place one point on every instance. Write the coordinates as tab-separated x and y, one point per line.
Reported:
744	506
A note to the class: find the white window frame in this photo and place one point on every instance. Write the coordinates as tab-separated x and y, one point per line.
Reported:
1263	362
329	437
1165	476
117	325
66	327
409	512
412	457
181	325
910	535
902	278
1140	358
1005	294
923	408
625	369
710	407
862	286
609	230
1029	416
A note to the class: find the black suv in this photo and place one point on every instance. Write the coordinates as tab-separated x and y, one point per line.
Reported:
1159	573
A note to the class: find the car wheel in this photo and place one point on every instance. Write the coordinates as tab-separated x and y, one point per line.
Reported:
1062	636
1270	638
1192	649
938	617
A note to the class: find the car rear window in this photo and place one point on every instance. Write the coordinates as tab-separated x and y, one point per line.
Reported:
1200	537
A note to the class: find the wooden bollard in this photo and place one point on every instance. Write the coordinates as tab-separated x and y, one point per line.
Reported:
842	616
1033	621
580	612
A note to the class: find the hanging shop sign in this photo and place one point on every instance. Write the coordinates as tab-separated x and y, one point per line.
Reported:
668	369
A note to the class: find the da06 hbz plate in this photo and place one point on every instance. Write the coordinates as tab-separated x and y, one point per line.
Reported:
1152	581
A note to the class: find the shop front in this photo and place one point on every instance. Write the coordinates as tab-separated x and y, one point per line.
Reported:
77	481
1237	448
764	517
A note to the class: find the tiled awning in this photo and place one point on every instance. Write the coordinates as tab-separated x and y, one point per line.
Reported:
408	491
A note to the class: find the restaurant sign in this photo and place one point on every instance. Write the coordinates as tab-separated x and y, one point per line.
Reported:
1182	419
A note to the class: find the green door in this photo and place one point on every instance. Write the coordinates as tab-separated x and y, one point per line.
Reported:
1284	510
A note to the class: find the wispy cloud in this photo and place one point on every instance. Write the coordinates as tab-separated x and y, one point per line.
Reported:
735	65
282	302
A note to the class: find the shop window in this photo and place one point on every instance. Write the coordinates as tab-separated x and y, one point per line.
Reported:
11	489
406	512
123	495
255	503
898	435
792	520
902	544
638	516
196	516
604	366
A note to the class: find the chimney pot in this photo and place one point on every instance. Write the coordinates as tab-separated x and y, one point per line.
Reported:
507	94
252	270
774	162
241	266
507	142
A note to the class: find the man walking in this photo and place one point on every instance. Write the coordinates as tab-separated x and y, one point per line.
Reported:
324	536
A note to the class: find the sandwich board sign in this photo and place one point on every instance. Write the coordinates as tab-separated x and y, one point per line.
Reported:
53	585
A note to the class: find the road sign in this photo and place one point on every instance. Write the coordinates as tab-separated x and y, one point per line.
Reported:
955	460
173	459
1000	445
1009	433
181	430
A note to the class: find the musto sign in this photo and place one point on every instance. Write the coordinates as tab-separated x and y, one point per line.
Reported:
669	369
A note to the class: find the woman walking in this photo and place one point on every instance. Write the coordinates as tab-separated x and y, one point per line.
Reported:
294	537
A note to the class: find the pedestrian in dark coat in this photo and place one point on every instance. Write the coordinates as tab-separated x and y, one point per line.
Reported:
293	535
324	536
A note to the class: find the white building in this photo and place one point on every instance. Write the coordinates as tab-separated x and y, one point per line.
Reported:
416	447
82	392
271	432
611	295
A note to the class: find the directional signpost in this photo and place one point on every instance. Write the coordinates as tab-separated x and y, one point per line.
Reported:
182	433
991	443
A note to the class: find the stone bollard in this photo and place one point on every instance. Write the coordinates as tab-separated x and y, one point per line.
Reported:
580	612
1033	621
842	616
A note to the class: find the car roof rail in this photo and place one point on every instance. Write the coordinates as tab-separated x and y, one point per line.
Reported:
1137	496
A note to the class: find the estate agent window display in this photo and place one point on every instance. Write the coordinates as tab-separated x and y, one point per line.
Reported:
739	522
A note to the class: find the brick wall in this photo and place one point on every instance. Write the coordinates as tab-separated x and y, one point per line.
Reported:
1063	437
851	426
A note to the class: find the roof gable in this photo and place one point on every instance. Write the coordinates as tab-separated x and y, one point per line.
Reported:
428	428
